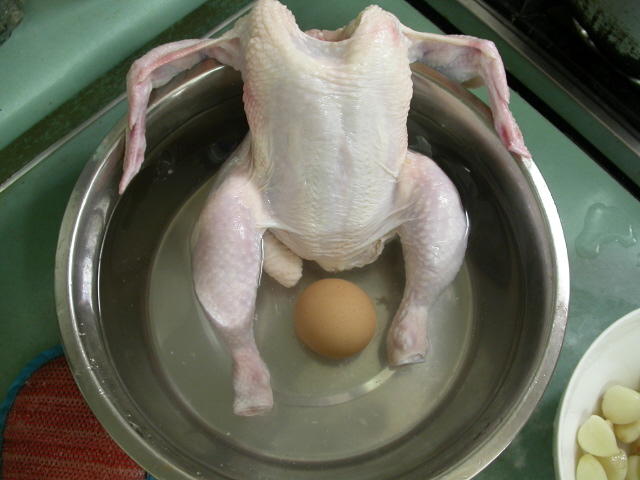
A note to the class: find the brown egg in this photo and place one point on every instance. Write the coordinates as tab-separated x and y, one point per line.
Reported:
335	318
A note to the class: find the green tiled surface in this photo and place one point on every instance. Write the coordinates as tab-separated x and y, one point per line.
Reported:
60	47
52	81
604	284
32	203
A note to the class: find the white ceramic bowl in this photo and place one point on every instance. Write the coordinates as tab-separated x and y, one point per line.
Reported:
613	358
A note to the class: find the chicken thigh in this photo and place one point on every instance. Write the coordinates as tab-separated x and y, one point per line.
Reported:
325	173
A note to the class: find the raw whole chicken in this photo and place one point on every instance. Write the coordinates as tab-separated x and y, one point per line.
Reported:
324	173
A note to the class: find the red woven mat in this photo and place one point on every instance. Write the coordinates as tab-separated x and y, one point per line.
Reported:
50	433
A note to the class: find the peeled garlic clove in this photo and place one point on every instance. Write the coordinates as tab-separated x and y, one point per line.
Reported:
616	466
627	433
621	405
596	437
633	468
590	469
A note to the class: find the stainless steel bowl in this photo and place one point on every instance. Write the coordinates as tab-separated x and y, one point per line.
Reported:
158	379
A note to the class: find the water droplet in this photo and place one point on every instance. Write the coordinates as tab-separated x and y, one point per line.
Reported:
135	427
604	225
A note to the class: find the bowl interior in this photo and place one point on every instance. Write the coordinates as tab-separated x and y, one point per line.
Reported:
157	377
612	359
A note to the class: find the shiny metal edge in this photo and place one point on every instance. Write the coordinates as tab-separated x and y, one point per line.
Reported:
520	415
88	380
42	156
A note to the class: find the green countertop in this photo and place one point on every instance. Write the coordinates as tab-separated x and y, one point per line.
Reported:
61	47
600	219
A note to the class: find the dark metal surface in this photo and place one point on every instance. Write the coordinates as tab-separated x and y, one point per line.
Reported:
551	26
574	85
